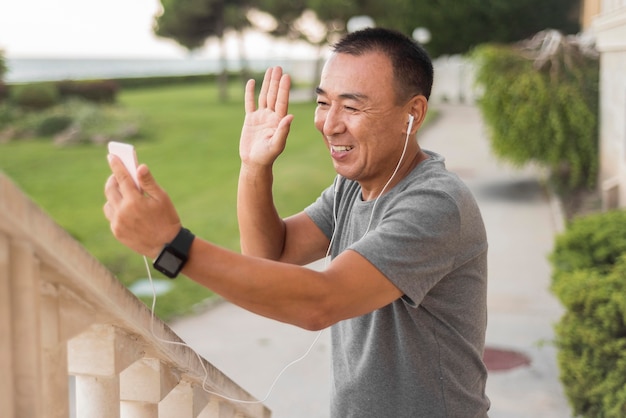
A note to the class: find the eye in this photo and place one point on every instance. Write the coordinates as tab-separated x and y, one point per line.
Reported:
351	109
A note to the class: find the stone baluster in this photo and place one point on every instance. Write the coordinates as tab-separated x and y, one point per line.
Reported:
97	357
143	385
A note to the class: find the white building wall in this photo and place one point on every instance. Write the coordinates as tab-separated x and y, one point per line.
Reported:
609	28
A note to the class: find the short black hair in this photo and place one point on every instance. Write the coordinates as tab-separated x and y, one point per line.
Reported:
412	66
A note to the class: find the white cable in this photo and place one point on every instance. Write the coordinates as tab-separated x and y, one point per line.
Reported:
406	143
319	334
206	372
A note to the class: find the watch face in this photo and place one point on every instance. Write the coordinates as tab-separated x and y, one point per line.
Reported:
169	262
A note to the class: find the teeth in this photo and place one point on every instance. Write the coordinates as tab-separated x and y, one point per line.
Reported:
339	148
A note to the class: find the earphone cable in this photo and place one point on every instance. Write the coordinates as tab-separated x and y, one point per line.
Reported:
206	372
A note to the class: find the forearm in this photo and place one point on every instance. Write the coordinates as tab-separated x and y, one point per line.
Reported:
280	291
261	229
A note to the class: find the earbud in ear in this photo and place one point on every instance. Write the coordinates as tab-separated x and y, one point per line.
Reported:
411	119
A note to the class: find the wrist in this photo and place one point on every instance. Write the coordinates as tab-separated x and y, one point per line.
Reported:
174	255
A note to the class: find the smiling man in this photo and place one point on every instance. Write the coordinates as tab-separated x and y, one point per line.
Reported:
405	292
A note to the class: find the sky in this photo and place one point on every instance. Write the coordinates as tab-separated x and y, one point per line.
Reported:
100	28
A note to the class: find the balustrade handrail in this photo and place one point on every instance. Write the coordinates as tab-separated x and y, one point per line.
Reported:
62	313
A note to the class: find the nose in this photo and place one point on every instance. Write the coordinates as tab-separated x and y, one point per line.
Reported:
329	121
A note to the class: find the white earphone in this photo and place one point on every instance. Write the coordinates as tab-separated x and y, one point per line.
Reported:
411	119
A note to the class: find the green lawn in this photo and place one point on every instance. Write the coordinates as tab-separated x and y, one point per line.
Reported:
190	142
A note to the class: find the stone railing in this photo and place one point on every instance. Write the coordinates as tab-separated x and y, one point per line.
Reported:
75	342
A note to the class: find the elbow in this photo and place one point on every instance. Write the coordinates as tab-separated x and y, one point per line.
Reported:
316	319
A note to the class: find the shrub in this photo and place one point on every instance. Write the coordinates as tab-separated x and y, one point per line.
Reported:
35	96
97	123
72	121
591	338
592	242
53	124
542	105
589	278
98	91
4	91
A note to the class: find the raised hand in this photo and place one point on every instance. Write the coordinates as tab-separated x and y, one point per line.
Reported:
266	127
142	220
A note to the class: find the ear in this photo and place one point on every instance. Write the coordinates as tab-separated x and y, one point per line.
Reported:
418	108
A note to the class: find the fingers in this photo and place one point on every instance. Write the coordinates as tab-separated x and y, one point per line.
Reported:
264	88
126	184
272	91
249	105
274	94
147	182
113	197
282	97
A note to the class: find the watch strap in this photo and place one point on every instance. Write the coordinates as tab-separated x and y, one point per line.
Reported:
182	241
174	255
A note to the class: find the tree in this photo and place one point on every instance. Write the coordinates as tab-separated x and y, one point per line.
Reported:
456	27
3	70
192	22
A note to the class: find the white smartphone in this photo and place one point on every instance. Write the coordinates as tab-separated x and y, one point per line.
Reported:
126	153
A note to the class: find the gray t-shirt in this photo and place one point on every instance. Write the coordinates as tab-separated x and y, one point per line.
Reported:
420	356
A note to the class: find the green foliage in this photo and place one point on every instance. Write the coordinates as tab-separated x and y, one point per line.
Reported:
592	242
3	70
70	122
589	278
35	96
545	115
3	66
479	21
591	338
53	125
191	22
98	91
474	21
190	141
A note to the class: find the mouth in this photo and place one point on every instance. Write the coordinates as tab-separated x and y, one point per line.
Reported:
341	148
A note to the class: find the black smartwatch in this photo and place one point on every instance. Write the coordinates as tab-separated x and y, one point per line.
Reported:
174	255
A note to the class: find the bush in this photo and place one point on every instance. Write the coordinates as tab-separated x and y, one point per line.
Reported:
4	91
591	338
98	91
36	96
53	124
73	121
542	105
589	278
591	242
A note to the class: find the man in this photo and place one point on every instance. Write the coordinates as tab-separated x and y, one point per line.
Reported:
405	292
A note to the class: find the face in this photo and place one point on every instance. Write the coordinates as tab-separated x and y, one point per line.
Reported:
358	115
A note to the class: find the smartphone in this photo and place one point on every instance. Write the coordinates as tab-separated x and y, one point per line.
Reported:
126	153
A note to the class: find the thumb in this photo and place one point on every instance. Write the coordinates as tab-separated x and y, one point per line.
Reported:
282	131
147	182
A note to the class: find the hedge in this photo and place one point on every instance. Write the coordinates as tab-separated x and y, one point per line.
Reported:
589	278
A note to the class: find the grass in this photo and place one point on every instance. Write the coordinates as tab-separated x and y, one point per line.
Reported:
190	141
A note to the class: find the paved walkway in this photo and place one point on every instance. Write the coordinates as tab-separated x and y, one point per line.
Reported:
521	220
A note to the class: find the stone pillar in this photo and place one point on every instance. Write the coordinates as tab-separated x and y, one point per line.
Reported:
97	357
26	347
143	385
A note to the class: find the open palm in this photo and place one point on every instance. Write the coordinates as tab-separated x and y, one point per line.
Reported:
266	127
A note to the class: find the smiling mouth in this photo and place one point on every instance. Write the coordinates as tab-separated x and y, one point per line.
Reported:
341	148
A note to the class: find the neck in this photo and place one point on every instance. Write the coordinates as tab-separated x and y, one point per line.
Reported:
403	170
